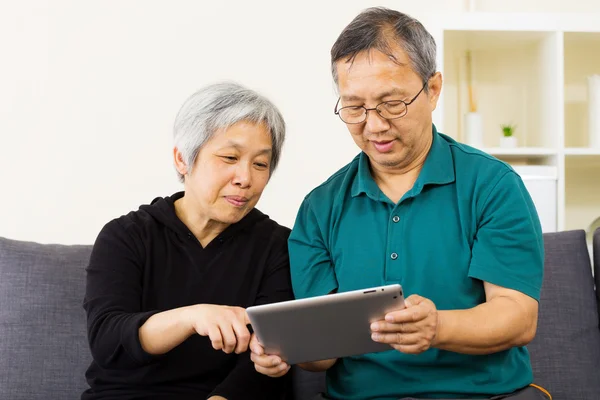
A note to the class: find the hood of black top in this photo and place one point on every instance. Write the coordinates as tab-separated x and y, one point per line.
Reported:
162	209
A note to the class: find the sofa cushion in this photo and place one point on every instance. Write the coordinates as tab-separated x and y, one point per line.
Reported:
306	385
43	343
565	353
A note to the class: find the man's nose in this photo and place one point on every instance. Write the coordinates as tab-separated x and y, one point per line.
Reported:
376	123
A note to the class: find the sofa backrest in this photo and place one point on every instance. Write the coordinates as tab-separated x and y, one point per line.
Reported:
44	351
43	344
565	353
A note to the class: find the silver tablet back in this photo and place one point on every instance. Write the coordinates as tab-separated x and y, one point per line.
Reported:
323	327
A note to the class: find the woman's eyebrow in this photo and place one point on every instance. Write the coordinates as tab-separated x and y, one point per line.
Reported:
239	147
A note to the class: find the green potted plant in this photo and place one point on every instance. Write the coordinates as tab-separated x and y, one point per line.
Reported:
508	138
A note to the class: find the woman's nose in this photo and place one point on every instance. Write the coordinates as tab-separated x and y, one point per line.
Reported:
242	176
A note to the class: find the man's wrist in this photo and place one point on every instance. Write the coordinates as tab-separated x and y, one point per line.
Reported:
440	337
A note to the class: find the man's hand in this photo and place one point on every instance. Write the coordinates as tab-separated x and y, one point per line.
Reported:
411	330
266	364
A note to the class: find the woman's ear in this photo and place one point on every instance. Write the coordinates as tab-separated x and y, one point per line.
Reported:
180	163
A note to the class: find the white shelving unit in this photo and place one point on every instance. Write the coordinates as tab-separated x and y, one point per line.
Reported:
520	152
529	70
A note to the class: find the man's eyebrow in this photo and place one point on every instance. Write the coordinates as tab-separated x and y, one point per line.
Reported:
351	98
387	93
393	92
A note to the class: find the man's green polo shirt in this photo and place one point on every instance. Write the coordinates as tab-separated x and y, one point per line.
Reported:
467	219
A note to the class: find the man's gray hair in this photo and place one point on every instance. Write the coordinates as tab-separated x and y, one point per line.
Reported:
219	106
380	28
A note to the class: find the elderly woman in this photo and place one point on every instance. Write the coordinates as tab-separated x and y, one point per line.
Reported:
167	285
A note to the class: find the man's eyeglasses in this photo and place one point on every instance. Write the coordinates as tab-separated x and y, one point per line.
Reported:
388	109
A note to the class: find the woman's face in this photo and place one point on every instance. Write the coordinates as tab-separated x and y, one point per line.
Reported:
230	172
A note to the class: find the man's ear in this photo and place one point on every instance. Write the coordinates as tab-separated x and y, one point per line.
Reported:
180	163
435	88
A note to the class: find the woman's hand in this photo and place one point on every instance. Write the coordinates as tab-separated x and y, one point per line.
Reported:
266	364
224	325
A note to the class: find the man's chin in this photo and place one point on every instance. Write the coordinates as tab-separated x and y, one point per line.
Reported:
387	160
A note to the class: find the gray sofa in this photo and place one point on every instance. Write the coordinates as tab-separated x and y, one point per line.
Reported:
44	353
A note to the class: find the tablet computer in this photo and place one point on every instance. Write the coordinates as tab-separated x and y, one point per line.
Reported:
323	327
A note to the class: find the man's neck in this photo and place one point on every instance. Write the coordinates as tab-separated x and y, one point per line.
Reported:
395	181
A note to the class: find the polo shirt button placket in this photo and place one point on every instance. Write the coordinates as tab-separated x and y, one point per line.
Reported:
396	218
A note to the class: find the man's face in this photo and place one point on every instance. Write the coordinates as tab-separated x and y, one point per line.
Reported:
374	78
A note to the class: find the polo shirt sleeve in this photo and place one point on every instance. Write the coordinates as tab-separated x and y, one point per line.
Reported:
311	266
508	248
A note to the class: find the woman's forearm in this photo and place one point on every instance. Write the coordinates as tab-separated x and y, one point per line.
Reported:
164	331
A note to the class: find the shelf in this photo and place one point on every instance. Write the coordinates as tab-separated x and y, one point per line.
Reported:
530	70
515	80
582	59
494	17
522	152
498	21
581	151
537	172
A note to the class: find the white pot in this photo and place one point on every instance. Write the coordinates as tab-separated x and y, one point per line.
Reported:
473	129
508	142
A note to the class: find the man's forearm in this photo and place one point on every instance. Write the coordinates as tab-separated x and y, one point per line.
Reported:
496	325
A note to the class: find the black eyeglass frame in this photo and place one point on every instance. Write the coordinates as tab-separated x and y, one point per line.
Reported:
376	108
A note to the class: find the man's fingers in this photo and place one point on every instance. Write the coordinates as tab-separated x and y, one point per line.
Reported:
388	327
410	349
409	314
404	339
413	300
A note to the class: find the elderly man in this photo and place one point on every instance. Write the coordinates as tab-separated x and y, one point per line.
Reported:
453	225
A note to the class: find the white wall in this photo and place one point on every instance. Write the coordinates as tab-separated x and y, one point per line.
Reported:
89	91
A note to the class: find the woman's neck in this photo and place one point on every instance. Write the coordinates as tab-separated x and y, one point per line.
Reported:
202	227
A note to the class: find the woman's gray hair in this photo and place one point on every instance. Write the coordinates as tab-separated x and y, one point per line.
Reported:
219	106
380	28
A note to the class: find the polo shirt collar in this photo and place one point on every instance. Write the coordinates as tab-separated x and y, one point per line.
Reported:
438	169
